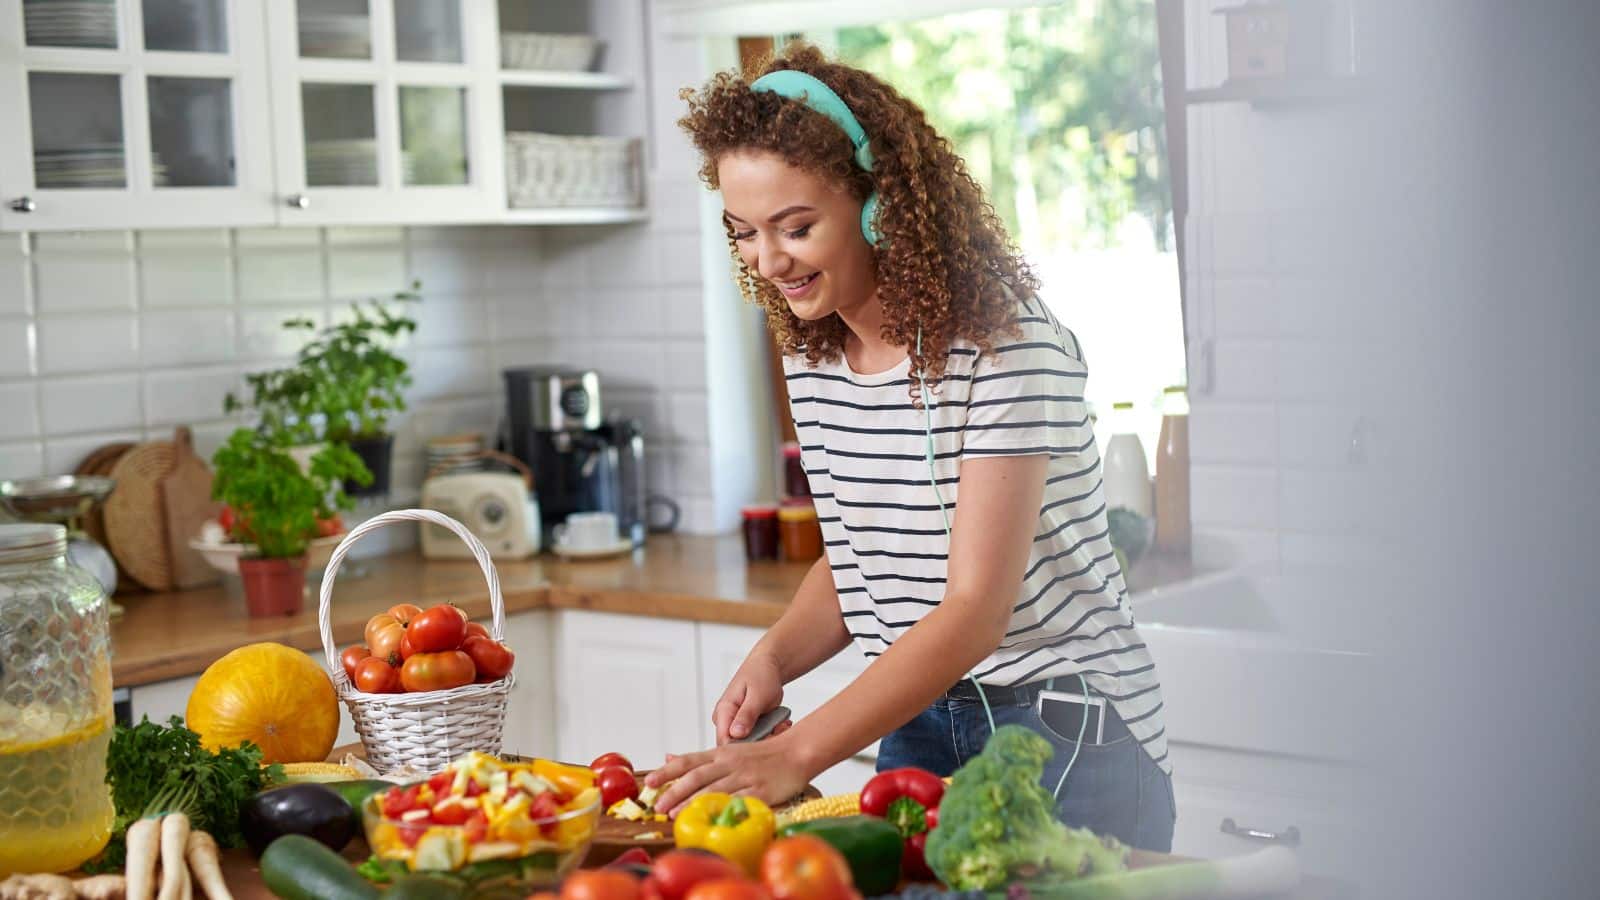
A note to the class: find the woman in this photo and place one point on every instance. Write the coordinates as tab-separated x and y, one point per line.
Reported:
909	325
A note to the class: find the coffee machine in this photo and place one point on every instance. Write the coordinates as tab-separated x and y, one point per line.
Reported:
582	461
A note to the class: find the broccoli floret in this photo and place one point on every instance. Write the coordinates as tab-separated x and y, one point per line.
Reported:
997	823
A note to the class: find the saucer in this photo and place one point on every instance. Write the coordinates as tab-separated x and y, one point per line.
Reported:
617	549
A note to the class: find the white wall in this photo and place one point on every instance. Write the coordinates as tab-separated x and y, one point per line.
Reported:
1275	349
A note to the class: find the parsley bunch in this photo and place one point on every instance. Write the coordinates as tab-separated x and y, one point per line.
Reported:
150	764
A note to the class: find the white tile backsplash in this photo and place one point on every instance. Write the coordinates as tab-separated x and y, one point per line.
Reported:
183	396
361	271
262	335
62	454
1233	496
191	278
22	460
19	411
685	365
88	343
14	278
279	276
1233	433
16	347
449	372
450	319
99	403
82	281
191	337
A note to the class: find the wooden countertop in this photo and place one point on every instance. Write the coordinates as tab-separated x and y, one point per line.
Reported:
703	579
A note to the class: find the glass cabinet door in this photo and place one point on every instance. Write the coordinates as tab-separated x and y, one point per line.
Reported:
140	113
390	102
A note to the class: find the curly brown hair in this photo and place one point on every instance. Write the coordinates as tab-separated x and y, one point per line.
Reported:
944	261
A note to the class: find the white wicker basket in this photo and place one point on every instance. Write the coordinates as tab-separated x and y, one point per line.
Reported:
547	52
423	731
553	170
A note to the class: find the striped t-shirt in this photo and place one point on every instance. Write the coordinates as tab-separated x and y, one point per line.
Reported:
863	446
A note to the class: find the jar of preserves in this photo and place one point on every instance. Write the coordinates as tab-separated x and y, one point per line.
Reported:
55	705
799	532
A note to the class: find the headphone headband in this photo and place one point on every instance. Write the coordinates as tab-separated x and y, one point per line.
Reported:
811	91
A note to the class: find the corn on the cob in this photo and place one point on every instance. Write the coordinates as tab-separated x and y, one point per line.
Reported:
822	808
294	773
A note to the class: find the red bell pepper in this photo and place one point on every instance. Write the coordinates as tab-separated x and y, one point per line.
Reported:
909	799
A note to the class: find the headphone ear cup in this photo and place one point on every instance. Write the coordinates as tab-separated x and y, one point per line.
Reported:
869	212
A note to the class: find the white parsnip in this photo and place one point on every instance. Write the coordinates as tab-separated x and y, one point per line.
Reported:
144	848
174	871
101	887
206	866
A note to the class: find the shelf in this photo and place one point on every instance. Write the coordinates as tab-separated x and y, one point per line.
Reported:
1279	92
576	215
583	81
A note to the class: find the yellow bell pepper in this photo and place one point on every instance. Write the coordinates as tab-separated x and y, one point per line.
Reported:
569	780
736	828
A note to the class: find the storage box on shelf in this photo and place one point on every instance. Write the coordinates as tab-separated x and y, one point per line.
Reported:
548	52
548	170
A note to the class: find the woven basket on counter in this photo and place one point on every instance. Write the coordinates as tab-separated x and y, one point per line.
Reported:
423	731
547	52
552	170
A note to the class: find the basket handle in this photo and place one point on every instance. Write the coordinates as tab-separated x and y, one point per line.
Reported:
325	595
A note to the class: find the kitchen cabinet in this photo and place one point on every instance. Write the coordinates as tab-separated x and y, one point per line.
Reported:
724	647
205	113
134	113
625	683
531	709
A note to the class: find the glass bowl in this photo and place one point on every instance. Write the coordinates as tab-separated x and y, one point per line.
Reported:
533	852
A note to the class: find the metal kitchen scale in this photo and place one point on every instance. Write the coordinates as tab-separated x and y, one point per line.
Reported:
65	500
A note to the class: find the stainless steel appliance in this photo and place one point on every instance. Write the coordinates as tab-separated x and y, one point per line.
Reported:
582	461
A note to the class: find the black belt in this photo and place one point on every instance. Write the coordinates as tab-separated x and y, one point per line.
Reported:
1016	695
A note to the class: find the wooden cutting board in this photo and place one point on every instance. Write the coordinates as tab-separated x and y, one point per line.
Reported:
135	517
186	498
613	836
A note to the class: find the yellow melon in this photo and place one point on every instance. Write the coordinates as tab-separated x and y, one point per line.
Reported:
271	695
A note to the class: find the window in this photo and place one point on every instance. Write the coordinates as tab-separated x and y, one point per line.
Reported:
1058	112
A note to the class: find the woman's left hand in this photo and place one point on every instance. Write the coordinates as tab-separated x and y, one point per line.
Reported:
767	770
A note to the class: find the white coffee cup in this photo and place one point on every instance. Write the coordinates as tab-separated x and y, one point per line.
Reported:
586	531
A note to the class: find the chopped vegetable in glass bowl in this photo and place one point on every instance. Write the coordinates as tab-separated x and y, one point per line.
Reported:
488	821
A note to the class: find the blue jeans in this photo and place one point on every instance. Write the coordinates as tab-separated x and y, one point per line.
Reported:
1115	787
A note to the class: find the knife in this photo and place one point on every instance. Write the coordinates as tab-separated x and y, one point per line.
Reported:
768	720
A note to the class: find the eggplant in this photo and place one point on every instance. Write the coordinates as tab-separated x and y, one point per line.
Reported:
313	810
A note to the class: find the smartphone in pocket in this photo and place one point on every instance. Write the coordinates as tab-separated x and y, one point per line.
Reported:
1071	714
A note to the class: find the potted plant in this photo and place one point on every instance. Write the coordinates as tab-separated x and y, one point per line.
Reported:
278	504
345	384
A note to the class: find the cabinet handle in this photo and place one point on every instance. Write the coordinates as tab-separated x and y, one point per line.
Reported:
23	205
299	201
1289	837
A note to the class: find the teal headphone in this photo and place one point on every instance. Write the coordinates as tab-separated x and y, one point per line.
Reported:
813	93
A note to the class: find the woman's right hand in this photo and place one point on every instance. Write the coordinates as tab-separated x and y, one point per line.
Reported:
754	689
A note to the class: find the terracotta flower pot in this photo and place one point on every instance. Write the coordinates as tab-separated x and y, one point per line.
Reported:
273	587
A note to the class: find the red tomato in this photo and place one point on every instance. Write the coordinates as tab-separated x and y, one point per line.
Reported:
376	676
676	871
600	884
353	654
437	671
477	827
492	659
397	800
440	782
615	783
610	759
451	812
411	832
476	629
805	867
437	630
406	650
330	526
728	889
383	636
405	612
226	519
545	806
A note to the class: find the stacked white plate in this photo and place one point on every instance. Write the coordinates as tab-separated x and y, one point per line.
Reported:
458	451
70	23
352	161
91	166
331	34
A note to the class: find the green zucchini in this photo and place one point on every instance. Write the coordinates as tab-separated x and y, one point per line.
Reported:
295	867
870	845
